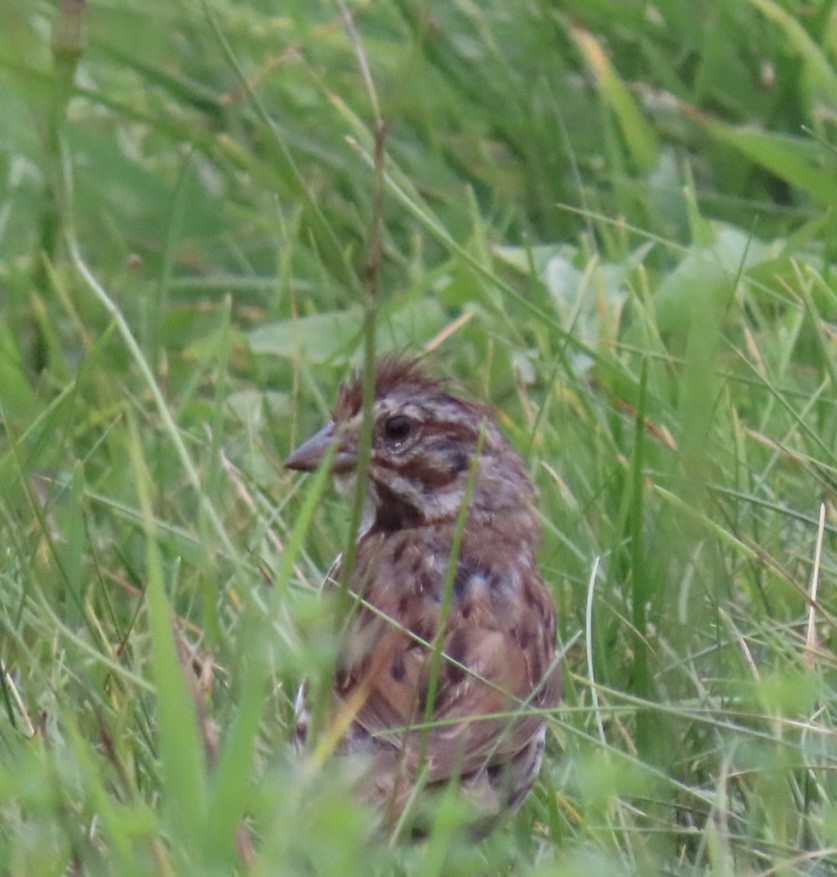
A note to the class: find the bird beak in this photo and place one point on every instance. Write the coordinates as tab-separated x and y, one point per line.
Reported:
308	456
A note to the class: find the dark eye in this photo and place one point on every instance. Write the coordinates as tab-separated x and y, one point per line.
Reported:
397	428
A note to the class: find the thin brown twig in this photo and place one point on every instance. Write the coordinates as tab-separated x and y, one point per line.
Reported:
374	247
371	273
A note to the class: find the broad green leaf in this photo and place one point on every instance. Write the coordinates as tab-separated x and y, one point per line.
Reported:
318	338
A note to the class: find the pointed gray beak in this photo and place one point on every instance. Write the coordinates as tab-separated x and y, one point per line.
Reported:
308	456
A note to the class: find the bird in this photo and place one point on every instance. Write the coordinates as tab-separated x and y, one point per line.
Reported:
447	667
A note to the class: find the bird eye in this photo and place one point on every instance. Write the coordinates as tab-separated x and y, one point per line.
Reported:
397	428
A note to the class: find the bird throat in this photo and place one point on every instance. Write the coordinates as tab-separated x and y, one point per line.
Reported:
391	512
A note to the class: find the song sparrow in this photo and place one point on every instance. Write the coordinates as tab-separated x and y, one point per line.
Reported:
497	673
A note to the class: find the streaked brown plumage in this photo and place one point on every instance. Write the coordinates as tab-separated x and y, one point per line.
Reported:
498	672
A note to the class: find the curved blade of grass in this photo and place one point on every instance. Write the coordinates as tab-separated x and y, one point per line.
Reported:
816	62
181	748
229	791
401	187
639	136
139	358
795	160
232	782
118	830
332	252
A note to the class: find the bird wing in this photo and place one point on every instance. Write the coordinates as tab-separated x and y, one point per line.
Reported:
494	672
478	716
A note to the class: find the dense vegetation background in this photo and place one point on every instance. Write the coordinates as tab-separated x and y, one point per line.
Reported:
614	219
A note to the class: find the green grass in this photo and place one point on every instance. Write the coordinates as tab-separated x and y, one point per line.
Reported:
612	220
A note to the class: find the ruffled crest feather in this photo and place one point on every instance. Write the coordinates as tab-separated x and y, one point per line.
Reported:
393	370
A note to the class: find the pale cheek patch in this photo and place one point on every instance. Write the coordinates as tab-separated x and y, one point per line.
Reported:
345	484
